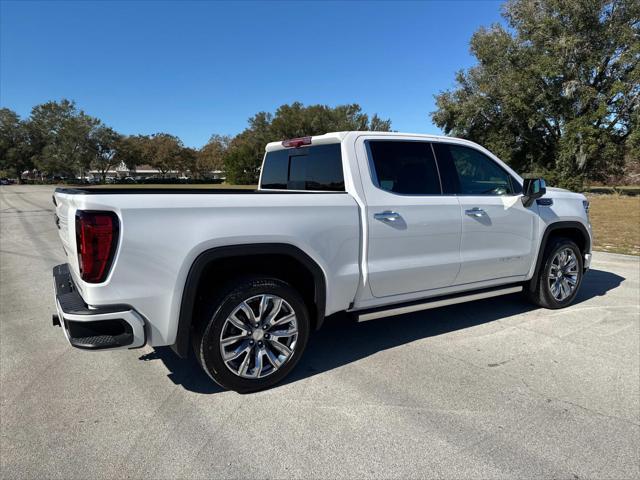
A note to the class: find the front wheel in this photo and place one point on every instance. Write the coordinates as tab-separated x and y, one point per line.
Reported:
559	277
252	335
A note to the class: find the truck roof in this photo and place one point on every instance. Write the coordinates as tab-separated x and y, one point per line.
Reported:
337	137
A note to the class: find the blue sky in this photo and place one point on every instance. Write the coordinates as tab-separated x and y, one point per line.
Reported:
197	68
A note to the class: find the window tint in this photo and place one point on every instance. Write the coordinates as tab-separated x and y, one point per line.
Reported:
275	170
308	168
404	167
477	173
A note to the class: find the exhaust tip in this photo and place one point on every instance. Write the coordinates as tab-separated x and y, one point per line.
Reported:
55	319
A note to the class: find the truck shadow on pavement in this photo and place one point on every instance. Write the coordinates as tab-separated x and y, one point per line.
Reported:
359	340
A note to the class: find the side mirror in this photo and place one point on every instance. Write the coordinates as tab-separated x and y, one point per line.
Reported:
533	188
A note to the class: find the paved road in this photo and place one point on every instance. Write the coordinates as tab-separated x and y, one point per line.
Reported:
494	389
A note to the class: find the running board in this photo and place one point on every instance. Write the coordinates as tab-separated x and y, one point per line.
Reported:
435	303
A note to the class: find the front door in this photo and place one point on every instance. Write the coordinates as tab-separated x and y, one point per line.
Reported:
497	229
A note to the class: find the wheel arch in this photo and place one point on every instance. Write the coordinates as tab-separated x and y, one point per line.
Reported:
201	269
573	230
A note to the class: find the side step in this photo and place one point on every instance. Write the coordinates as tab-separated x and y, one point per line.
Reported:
435	303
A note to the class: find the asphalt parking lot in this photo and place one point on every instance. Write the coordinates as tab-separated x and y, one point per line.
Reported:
492	389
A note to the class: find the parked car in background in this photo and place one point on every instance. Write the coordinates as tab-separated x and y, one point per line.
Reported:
370	223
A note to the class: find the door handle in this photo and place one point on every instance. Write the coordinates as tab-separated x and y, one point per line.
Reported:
475	212
386	216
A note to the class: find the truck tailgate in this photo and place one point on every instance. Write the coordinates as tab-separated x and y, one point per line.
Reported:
66	231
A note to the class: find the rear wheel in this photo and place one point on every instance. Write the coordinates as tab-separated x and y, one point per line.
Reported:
252	335
559	277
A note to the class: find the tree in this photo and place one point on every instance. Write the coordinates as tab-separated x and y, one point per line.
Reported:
210	157
245	152
60	136
555	91
103	144
130	150
296	120
15	149
187	160
240	164
163	152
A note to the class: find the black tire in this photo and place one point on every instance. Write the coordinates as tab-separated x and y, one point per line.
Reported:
208	330
539	289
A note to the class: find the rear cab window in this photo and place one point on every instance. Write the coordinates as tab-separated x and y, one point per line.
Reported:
404	167
313	168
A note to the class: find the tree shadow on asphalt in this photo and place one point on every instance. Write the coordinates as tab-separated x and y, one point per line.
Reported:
342	340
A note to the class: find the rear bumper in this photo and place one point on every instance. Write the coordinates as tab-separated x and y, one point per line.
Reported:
587	261
94	328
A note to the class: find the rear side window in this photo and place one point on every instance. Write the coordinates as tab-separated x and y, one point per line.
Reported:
404	167
308	168
476	173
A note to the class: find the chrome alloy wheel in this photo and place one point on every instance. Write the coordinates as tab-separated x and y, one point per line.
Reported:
563	274
259	336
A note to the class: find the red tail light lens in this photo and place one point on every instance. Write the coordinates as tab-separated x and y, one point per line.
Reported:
96	239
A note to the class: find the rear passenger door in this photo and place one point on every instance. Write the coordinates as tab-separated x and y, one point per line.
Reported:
497	229
413	230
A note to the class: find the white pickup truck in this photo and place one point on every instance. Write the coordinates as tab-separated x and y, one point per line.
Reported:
373	224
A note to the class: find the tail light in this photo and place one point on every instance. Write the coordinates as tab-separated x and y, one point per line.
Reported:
96	240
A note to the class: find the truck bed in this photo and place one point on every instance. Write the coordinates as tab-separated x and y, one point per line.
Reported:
133	190
163	230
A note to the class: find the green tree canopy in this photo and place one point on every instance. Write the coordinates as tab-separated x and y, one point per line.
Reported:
131	150
15	148
296	120
558	90
163	152
187	160
60	136
241	164
103	143
211	156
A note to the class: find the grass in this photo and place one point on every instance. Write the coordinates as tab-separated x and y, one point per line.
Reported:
615	220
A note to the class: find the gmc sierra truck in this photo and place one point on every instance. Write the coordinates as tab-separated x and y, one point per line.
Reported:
370	223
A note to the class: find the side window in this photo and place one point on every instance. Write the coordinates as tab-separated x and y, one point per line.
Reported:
477	174
404	167
308	168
